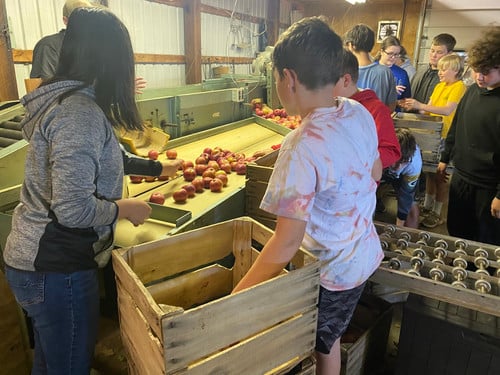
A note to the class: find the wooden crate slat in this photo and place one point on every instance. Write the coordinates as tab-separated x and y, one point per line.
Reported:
194	288
167	257
128	282
267	306
137	338
242	249
264	351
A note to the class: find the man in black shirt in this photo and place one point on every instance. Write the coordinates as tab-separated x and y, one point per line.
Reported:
46	51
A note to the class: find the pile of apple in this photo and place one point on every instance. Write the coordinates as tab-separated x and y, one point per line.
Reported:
209	171
278	115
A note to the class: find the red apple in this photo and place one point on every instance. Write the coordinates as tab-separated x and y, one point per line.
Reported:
226	167
180	196
150	179
187	164
189	174
215	185
191	190
153	154
207	150
201	160
200	168
209	172
223	179
171	154
198	184
206	182
163	178
240	168
157	198
135	179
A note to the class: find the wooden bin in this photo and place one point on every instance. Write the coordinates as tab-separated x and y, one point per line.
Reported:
364	344
258	174
427	132
177	314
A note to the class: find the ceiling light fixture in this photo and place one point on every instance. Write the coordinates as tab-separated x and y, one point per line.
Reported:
356	1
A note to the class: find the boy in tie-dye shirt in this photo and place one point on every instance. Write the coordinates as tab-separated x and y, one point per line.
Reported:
323	185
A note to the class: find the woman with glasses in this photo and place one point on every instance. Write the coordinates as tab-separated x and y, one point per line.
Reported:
388	55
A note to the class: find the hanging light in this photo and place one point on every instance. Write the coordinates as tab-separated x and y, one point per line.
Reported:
356	1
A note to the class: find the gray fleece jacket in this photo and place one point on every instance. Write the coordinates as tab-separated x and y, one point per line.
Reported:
73	174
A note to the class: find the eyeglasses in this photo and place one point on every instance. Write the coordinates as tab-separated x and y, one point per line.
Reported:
390	54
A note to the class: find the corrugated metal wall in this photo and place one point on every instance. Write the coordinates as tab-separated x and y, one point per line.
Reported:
154	28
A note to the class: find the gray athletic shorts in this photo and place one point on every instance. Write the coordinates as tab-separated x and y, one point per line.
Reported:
335	311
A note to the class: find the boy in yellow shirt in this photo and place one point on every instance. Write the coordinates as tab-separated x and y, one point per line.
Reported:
443	102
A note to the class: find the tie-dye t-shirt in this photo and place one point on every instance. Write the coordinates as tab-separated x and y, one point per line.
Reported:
323	176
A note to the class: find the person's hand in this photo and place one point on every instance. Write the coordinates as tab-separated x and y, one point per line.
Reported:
170	167
400	89
441	173
411	103
140	83
495	208
134	210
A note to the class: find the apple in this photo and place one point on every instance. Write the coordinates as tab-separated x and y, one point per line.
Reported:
191	190
209	172
206	182
200	168
187	164
180	195
153	154
223	178
157	198
226	167
215	185
150	178
198	184
163	178
135	179
171	154
213	164
240	168
207	150
201	160
189	174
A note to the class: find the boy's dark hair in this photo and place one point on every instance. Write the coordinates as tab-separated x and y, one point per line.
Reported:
98	52
407	143
350	65
485	52
312	50
446	40
361	37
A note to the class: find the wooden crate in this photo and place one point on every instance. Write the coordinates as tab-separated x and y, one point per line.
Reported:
364	344
427	132
177	314
258	174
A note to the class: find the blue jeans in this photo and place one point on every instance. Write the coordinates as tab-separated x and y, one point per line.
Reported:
64	309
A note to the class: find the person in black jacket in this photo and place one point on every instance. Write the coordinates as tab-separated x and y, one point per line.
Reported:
47	50
473	144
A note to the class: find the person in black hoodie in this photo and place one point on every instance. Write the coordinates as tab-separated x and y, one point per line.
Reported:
473	144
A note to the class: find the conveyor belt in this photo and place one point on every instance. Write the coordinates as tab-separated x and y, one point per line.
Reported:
10	131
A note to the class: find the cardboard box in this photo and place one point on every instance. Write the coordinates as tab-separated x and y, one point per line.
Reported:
177	314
